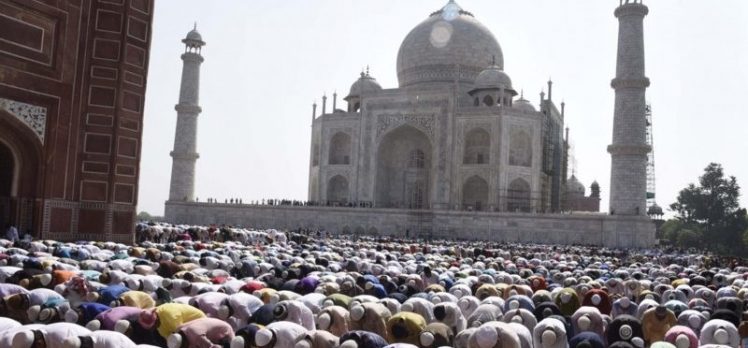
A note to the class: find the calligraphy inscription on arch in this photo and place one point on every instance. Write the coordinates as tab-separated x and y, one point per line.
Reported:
423	122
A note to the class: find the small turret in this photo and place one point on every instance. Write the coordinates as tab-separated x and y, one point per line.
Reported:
655	211
492	87
365	85
194	41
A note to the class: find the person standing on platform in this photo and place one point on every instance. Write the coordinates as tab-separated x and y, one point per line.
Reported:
11	233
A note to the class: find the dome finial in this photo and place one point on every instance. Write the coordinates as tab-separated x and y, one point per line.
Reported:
367	70
194	27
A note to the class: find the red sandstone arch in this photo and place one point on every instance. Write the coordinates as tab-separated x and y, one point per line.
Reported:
25	150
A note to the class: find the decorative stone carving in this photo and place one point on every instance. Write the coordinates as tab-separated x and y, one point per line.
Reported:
389	104
483	173
31	115
423	122
345	172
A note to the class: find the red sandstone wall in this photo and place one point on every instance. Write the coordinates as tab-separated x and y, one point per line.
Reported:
86	61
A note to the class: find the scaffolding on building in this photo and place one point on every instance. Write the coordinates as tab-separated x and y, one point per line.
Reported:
651	199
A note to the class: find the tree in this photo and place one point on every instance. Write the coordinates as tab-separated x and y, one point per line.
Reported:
688	238
714	207
145	216
680	233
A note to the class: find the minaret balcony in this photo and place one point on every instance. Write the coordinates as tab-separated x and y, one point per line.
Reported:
629	83
640	150
184	156
188	108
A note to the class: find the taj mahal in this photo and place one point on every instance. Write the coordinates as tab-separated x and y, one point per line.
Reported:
454	135
454	151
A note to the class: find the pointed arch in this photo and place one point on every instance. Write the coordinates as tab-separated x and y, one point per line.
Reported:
404	160
488	101
475	194
340	149
21	166
373	231
337	190
360	230
477	147
520	149
518	196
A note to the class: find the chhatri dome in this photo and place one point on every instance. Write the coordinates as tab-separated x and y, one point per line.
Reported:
524	104
493	77
194	39
450	44
365	84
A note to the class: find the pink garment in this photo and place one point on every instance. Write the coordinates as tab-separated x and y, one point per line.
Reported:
207	332
209	302
7	289
56	333
111	339
678	330
110	317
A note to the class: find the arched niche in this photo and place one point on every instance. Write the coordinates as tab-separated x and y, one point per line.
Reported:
403	169
475	194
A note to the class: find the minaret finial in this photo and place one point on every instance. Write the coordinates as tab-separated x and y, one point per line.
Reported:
521	94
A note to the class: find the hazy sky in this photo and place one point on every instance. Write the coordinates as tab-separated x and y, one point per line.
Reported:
266	61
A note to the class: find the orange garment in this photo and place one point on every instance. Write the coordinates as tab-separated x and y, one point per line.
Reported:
61	276
655	325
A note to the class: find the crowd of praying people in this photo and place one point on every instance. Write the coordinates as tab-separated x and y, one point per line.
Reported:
290	202
225	287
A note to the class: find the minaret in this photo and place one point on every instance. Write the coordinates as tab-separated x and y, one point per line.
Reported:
185	141
628	152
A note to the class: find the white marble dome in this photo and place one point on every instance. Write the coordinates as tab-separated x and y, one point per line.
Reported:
493	77
194	38
194	35
364	85
449	44
524	105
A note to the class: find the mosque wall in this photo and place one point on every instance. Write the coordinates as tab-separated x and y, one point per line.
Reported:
605	230
72	88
